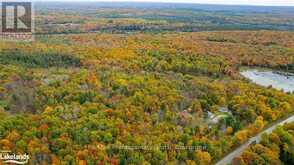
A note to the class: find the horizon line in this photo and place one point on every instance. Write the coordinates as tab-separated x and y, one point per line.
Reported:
164	2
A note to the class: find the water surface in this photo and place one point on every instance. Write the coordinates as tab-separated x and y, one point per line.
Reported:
278	80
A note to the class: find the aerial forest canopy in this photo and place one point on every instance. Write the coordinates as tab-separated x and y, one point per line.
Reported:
79	93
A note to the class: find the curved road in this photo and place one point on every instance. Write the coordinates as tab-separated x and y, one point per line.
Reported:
237	152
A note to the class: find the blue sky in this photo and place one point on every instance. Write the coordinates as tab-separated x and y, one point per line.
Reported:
232	2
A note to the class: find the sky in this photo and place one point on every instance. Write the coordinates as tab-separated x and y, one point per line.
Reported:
229	2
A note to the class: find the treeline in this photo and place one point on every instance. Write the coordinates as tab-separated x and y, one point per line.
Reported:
187	19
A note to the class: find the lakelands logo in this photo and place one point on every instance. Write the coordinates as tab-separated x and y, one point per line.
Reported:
17	20
7	157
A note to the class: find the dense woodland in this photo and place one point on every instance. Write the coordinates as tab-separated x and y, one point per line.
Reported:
81	98
275	148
